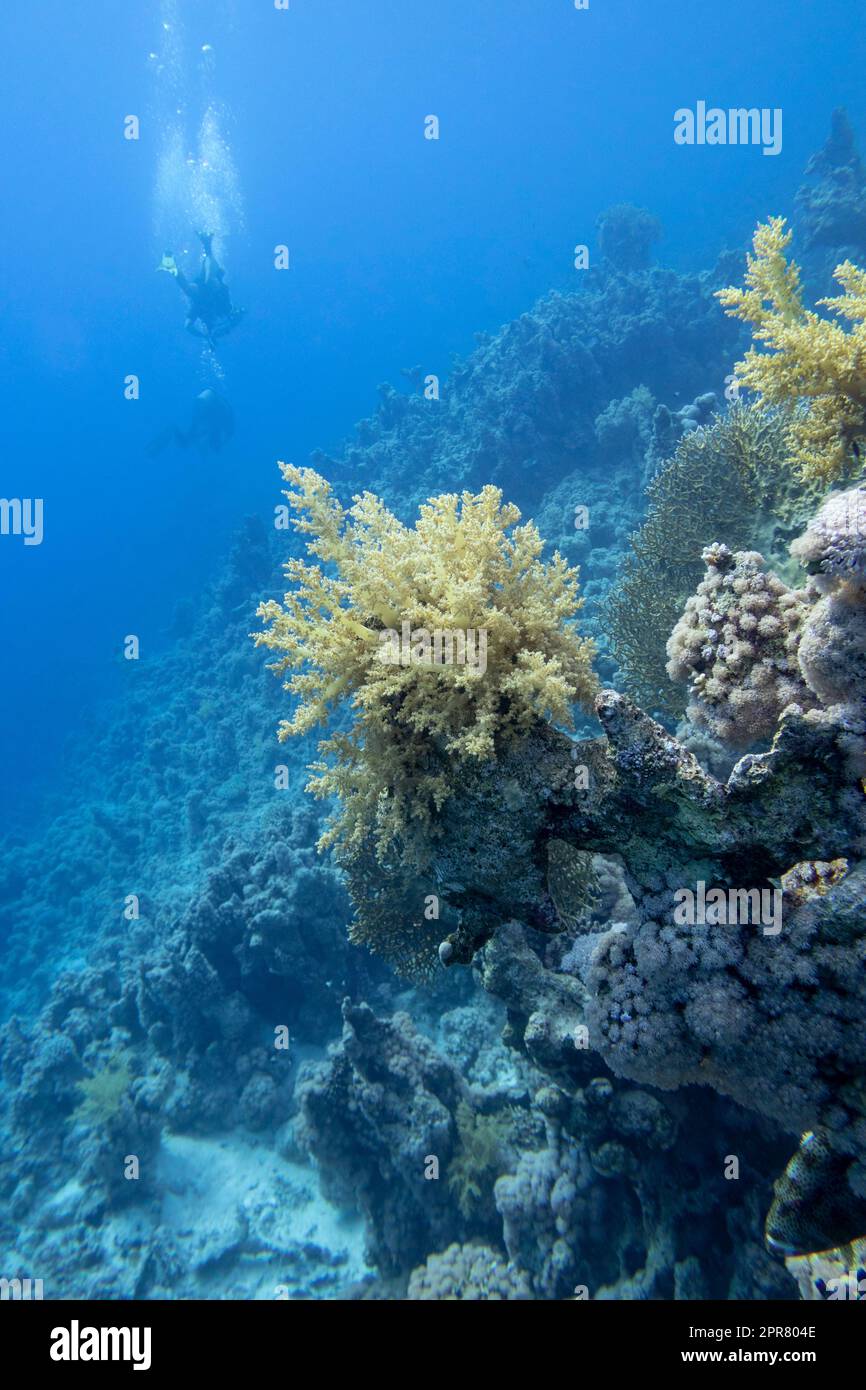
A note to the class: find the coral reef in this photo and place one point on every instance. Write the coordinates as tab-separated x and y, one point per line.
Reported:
626	235
623	430
831	204
729	1006
174	1032
587	1151
595	1198
613	1202
552	1210
520	411
375	1116
161	789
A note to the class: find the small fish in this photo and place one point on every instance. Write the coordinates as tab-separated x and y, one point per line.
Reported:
814	1208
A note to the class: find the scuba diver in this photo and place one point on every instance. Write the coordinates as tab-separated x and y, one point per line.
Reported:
211	314
212	424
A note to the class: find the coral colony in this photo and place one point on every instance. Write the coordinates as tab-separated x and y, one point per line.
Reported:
595	818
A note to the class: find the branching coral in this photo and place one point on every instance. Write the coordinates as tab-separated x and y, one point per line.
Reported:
809	359
736	644
448	639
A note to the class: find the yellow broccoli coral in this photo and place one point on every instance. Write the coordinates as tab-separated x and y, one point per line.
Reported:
446	638
812	361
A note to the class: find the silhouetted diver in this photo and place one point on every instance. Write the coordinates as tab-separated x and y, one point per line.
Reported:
211	313
212	424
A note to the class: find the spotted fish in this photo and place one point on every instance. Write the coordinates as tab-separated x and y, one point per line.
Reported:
814	1208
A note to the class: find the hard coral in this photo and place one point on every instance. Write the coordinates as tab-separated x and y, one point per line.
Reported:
372	1114
834	543
468	1273
736	644
809	358
737	1011
448	639
832	653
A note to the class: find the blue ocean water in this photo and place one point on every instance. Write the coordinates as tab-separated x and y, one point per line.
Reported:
307	128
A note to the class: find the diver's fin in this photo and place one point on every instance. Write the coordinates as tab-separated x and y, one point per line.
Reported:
206	238
168	264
